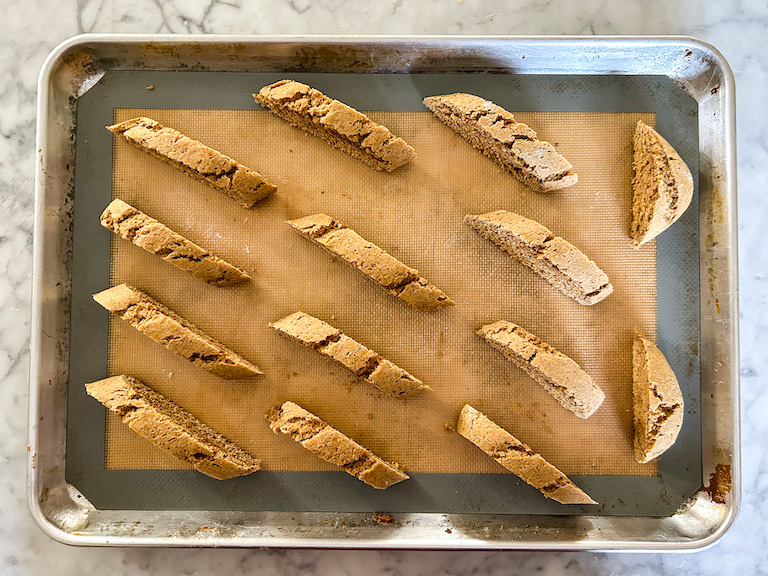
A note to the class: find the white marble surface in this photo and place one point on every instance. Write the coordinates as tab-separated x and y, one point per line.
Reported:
30	28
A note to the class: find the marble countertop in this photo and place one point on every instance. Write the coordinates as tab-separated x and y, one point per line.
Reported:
29	30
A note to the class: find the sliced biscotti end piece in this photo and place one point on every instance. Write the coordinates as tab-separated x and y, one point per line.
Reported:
561	376
495	132
195	159
167	328
172	428
156	238
376	264
332	446
338	124
662	187
556	260
518	458
656	398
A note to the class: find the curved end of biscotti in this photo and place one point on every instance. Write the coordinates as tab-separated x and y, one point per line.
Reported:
423	296
235	369
118	297
590	402
598	296
466	417
566	180
126	125
116	211
657	401
280	91
672	187
315	225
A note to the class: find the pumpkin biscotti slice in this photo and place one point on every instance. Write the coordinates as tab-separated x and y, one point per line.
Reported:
156	238
557	261
358	359
562	377
332	446
656	398
662	187
497	134
371	261
518	458
170	427
195	159
172	331
336	123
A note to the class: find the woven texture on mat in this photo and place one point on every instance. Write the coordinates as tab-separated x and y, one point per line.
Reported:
416	214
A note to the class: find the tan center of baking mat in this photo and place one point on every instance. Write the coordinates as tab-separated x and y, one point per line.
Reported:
416	214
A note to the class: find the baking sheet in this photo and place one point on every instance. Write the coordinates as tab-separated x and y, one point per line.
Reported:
357	329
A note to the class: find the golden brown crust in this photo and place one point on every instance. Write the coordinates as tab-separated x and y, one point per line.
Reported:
562	377
156	238
332	446
195	159
371	261
172	428
512	144
657	400
518	458
556	260
338	124
358	359
174	332
662	187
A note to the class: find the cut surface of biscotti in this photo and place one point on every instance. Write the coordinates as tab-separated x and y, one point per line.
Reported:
358	359
156	238
518	458
656	398
332	446
336	123
557	261
512	144
371	261
178	335
662	187
195	159
172	428
561	376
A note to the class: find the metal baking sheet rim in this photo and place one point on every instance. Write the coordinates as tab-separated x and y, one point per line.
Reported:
77	64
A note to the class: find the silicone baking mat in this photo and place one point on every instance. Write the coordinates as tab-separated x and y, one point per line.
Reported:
416	214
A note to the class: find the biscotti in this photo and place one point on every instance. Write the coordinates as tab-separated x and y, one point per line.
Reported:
557	261
656	399
358	359
332	446
156	238
195	159
563	378
371	261
512	144
518	458
172	331
662	187
172	428
336	123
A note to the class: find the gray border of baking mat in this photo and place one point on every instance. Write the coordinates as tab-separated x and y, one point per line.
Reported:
678	318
